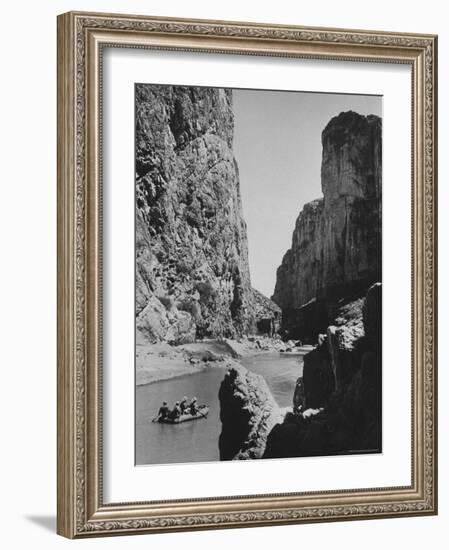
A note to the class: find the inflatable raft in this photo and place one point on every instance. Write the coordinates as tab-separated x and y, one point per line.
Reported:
202	413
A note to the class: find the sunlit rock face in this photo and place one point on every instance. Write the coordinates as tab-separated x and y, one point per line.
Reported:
192	271
336	243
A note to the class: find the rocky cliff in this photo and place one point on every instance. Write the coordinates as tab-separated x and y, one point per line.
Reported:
336	244
337	405
342	383
192	273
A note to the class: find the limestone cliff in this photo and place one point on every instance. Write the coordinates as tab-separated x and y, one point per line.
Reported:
336	244
192	273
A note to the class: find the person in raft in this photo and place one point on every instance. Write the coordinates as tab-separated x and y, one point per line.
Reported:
193	407
176	412
164	411
183	405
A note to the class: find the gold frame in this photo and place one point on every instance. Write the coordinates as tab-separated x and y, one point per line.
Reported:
81	37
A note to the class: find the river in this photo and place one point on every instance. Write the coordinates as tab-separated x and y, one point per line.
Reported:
197	441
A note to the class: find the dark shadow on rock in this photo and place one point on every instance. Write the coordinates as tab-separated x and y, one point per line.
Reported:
248	412
46	522
347	420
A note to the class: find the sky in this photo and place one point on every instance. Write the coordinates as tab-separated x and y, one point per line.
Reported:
277	144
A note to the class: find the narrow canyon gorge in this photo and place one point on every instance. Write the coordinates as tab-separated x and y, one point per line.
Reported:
193	278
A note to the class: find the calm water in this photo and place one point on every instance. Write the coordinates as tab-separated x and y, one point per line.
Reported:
197	441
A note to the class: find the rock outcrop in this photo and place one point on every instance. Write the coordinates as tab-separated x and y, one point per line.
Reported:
342	381
337	403
192	271
248	413
336	244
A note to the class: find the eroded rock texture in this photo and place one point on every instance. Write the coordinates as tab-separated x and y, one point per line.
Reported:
248	413
336	244
342	381
337	402
192	274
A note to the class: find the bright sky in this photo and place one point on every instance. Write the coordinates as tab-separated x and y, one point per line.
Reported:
277	144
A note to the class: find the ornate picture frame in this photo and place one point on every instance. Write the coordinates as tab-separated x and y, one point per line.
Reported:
82	38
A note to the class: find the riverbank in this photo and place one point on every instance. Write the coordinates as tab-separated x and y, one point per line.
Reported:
157	362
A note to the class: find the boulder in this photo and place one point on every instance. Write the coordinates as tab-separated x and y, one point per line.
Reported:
248	412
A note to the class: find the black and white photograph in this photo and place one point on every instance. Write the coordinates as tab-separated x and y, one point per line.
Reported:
223	234
258	274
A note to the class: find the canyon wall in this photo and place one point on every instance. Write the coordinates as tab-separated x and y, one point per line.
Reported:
337	404
192	272
336	245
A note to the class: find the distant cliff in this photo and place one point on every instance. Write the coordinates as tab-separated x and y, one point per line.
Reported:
336	244
192	271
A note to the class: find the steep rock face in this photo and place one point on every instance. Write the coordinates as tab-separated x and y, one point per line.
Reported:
248	413
349	417
192	274
294	285
337	403
336	243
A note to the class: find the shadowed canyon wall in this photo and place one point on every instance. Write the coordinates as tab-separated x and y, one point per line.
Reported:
337	404
335	253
